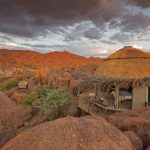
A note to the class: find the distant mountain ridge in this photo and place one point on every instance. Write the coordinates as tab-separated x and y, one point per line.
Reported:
21	58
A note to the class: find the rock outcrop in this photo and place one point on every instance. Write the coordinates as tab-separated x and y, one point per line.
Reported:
87	133
137	121
148	148
74	85
11	118
136	141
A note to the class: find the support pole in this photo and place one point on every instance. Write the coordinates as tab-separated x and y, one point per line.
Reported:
117	97
96	92
146	100
99	90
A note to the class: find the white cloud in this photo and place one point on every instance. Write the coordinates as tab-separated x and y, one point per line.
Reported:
137	46
102	51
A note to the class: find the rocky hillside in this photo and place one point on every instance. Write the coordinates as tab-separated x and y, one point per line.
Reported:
20	58
129	130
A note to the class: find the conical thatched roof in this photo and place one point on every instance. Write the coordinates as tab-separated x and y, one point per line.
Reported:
126	63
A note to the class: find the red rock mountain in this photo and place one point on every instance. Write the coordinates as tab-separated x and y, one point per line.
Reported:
20	58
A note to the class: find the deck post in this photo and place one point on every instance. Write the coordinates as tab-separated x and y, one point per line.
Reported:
117	97
146	101
99	90
96	88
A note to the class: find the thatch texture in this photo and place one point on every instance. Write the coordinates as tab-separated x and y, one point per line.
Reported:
89	81
127	63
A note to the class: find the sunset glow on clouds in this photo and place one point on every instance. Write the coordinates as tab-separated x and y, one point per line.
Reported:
85	27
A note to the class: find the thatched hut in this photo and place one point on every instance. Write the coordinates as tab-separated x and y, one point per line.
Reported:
23	85
126	73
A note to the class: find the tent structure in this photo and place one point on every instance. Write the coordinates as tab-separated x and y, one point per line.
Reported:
127	71
121	82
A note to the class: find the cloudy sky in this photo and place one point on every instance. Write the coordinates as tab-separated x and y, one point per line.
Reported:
85	27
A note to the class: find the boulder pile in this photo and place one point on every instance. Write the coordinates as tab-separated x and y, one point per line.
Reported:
70	133
137	121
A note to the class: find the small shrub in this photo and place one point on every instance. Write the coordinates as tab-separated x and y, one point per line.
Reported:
8	84
51	102
56	102
30	98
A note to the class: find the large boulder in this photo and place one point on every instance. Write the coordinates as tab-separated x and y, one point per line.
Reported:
63	83
11	118
136	141
74	85
17	96
148	148
137	121
87	133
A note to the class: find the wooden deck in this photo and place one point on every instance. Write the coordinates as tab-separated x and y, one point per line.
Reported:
85	105
91	107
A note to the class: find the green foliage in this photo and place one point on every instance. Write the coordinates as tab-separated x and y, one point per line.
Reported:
28	99
56	102
9	84
53	103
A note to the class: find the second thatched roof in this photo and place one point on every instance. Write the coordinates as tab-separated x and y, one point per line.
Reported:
126	63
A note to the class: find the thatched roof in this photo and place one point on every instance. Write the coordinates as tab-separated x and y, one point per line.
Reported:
89	81
127	63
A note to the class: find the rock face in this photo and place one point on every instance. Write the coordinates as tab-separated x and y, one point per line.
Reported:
148	148
17	96
137	121
136	141
87	133
11	118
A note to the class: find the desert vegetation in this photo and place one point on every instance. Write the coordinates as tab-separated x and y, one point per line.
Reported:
9	83
51	102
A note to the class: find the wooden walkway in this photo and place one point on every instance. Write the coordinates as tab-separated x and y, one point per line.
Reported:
86	106
92	108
